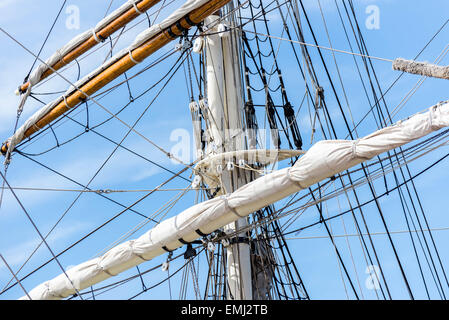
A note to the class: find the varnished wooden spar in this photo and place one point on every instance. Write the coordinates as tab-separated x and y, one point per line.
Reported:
125	63
103	33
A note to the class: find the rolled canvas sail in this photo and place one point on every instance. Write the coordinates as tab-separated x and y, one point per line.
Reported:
59	56
143	37
325	159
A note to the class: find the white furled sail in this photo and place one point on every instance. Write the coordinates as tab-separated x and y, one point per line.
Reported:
36	76
75	42
143	37
325	159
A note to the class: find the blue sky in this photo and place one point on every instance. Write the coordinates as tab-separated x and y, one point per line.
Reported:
404	28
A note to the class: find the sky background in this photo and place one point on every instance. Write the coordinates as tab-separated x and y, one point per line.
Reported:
404	28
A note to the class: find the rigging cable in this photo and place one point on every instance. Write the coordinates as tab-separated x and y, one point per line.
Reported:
40	235
407	168
46	38
7	287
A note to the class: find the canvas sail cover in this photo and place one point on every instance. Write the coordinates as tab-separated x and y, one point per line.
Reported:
325	159
35	77
143	37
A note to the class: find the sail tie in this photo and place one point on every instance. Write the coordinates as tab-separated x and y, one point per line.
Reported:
65	102
227	206
135	6
51	292
354	147
132	58
432	125
289	176
94	34
131	247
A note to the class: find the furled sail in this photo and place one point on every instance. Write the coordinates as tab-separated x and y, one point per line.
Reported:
88	39
146	43
325	159
83	43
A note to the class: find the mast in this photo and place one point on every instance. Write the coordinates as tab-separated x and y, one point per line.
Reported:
236	196
226	108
